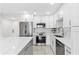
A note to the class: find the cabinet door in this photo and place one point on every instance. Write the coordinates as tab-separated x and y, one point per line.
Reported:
75	40
54	21
36	20
59	22
47	21
51	25
43	19
66	15
66	20
53	44
71	12
50	40
74	14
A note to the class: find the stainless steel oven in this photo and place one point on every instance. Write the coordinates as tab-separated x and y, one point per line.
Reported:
41	40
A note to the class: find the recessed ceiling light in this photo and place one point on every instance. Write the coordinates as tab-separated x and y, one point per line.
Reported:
26	14
47	13
35	13
51	3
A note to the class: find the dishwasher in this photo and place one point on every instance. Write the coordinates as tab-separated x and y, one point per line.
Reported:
60	49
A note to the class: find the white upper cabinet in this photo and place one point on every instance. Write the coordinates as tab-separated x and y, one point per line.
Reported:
66	16
66	13
25	18
70	15
41	19
36	19
54	20
75	40
63	14
46	20
58	19
74	14
51	21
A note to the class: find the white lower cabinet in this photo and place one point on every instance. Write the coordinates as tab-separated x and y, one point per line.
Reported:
53	44
67	50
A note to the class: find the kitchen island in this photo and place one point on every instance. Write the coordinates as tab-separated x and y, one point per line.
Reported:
14	45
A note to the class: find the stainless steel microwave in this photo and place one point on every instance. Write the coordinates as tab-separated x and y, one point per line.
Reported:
40	25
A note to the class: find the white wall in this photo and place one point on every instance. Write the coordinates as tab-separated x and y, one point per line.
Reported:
16	29
6	28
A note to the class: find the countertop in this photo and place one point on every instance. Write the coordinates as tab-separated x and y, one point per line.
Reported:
65	41
13	45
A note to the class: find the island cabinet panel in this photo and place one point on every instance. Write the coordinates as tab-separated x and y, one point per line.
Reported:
53	44
28	49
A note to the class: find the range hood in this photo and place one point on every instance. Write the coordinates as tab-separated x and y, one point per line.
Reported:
40	25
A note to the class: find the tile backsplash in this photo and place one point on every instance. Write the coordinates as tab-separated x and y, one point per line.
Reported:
40	30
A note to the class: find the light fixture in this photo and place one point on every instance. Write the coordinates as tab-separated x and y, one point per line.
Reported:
61	12
47	13
26	14
51	3
13	18
34	13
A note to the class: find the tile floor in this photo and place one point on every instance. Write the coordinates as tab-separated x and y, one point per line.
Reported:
42	50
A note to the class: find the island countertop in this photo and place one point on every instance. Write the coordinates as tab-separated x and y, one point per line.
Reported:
13	45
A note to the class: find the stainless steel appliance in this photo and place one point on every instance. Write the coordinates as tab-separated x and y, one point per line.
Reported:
25	29
60	49
40	25
41	39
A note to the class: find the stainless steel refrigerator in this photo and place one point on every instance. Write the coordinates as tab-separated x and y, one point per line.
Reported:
26	29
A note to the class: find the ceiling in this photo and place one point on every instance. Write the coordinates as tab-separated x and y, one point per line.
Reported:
15	9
